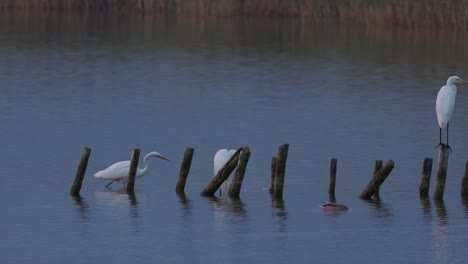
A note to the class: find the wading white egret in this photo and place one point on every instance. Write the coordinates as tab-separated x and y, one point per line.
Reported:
118	172
220	158
445	104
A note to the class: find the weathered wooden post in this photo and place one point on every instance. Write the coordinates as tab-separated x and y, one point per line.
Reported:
464	184
80	172
280	171
331	186
425	179
441	172
132	171
221	176
377	167
184	169
236	184
273	171
377	180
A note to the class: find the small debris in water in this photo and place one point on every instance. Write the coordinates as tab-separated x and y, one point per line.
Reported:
334	207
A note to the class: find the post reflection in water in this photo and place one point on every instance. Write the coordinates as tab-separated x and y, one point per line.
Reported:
383	210
441	211
426	209
185	202
441	245
464	200
224	206
82	207
133	205
229	214
119	199
279	213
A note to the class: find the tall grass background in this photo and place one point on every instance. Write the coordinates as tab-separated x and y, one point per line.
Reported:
371	13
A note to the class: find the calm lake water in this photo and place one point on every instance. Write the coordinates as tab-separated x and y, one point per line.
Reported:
163	85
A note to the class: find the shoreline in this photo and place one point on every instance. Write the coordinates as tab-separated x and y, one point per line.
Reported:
417	14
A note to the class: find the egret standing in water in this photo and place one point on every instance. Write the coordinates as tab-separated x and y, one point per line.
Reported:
445	104
118	172
220	159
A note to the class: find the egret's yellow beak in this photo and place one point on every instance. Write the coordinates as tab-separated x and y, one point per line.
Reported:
463	81
164	158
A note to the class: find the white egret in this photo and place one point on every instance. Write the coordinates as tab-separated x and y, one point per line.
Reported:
118	172
220	159
445	104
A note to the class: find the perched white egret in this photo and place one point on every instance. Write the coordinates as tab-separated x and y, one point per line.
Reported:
220	159
445	104
118	172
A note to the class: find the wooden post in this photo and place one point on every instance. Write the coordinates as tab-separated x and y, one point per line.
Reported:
184	169
80	172
377	167
222	175
464	184
425	179
376	181
236	184
132	171
273	171
280	171
441	172
331	186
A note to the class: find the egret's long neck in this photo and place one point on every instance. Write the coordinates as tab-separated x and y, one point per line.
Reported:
145	169
451	84
453	87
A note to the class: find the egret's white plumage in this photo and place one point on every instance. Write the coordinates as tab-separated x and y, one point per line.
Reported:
118	172
445	104
220	159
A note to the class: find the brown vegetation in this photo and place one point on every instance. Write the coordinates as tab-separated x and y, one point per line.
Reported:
396	13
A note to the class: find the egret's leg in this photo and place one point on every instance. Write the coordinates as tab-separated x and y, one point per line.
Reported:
440	136
447	133
448	146
107	186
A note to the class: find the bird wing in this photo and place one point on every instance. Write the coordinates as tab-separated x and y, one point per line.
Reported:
115	171
444	105
221	157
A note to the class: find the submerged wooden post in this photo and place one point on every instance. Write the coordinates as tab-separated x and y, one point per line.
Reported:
377	180
331	186
464	184
80	172
441	172
425	178
132	171
273	172
377	167
280	171
221	176
184	169
236	184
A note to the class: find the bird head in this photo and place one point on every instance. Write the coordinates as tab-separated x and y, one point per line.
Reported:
455	79
156	155
161	156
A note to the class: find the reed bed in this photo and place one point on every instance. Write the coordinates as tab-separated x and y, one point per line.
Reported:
395	13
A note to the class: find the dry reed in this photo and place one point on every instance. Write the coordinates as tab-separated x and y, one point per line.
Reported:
396	13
